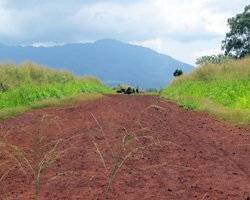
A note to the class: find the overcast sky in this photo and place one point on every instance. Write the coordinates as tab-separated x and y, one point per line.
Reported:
183	29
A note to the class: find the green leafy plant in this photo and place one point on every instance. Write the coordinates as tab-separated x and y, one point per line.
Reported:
237	41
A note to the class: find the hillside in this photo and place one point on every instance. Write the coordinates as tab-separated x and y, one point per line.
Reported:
112	61
28	86
222	89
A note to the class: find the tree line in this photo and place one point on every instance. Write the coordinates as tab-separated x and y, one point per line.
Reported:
236	44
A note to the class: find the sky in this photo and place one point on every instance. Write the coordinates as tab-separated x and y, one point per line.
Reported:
183	29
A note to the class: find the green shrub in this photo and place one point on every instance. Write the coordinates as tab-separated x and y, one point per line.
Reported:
177	72
227	85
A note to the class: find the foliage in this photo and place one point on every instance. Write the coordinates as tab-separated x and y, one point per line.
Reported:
79	98
237	41
177	72
28	83
213	59
126	89
12	75
225	86
121	86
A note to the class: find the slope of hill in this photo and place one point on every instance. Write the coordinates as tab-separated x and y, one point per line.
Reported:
28	86
112	61
221	89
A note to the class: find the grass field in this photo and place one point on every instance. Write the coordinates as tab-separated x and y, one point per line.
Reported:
222	90
27	86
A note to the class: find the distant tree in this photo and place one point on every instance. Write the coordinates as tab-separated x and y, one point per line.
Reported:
178	72
213	59
237	41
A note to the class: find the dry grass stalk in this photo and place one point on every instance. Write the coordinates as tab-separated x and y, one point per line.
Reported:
127	150
15	158
44	159
204	196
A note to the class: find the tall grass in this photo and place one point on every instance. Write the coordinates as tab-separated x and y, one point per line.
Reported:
22	85
12	75
221	89
27	94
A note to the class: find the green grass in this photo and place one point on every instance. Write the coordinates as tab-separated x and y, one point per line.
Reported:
22	86
54	102
222	90
27	94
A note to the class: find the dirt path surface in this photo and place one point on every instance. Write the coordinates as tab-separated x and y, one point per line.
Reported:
170	153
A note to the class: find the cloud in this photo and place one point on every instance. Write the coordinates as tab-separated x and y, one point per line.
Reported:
186	52
45	44
151	18
159	22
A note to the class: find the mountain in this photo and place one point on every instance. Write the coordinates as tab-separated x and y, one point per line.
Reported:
112	61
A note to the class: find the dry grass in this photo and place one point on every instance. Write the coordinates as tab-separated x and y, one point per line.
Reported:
228	114
13	75
46	152
13	159
55	102
67	100
204	196
35	161
92	79
230	70
131	143
10	112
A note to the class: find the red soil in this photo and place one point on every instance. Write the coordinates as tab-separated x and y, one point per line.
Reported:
207	159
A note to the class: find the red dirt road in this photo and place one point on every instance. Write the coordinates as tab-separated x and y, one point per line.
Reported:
188	155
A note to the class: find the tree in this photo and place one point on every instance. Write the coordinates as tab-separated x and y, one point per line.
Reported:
237	41
178	72
213	59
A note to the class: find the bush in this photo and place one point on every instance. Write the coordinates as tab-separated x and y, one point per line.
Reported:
213	59
224	86
177	72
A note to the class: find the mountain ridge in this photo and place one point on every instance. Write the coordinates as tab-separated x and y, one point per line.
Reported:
114	62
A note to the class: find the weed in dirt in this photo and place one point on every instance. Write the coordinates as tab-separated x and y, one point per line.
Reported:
13	158
46	153
204	196
131	144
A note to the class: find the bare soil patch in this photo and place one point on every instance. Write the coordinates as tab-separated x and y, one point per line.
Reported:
206	159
